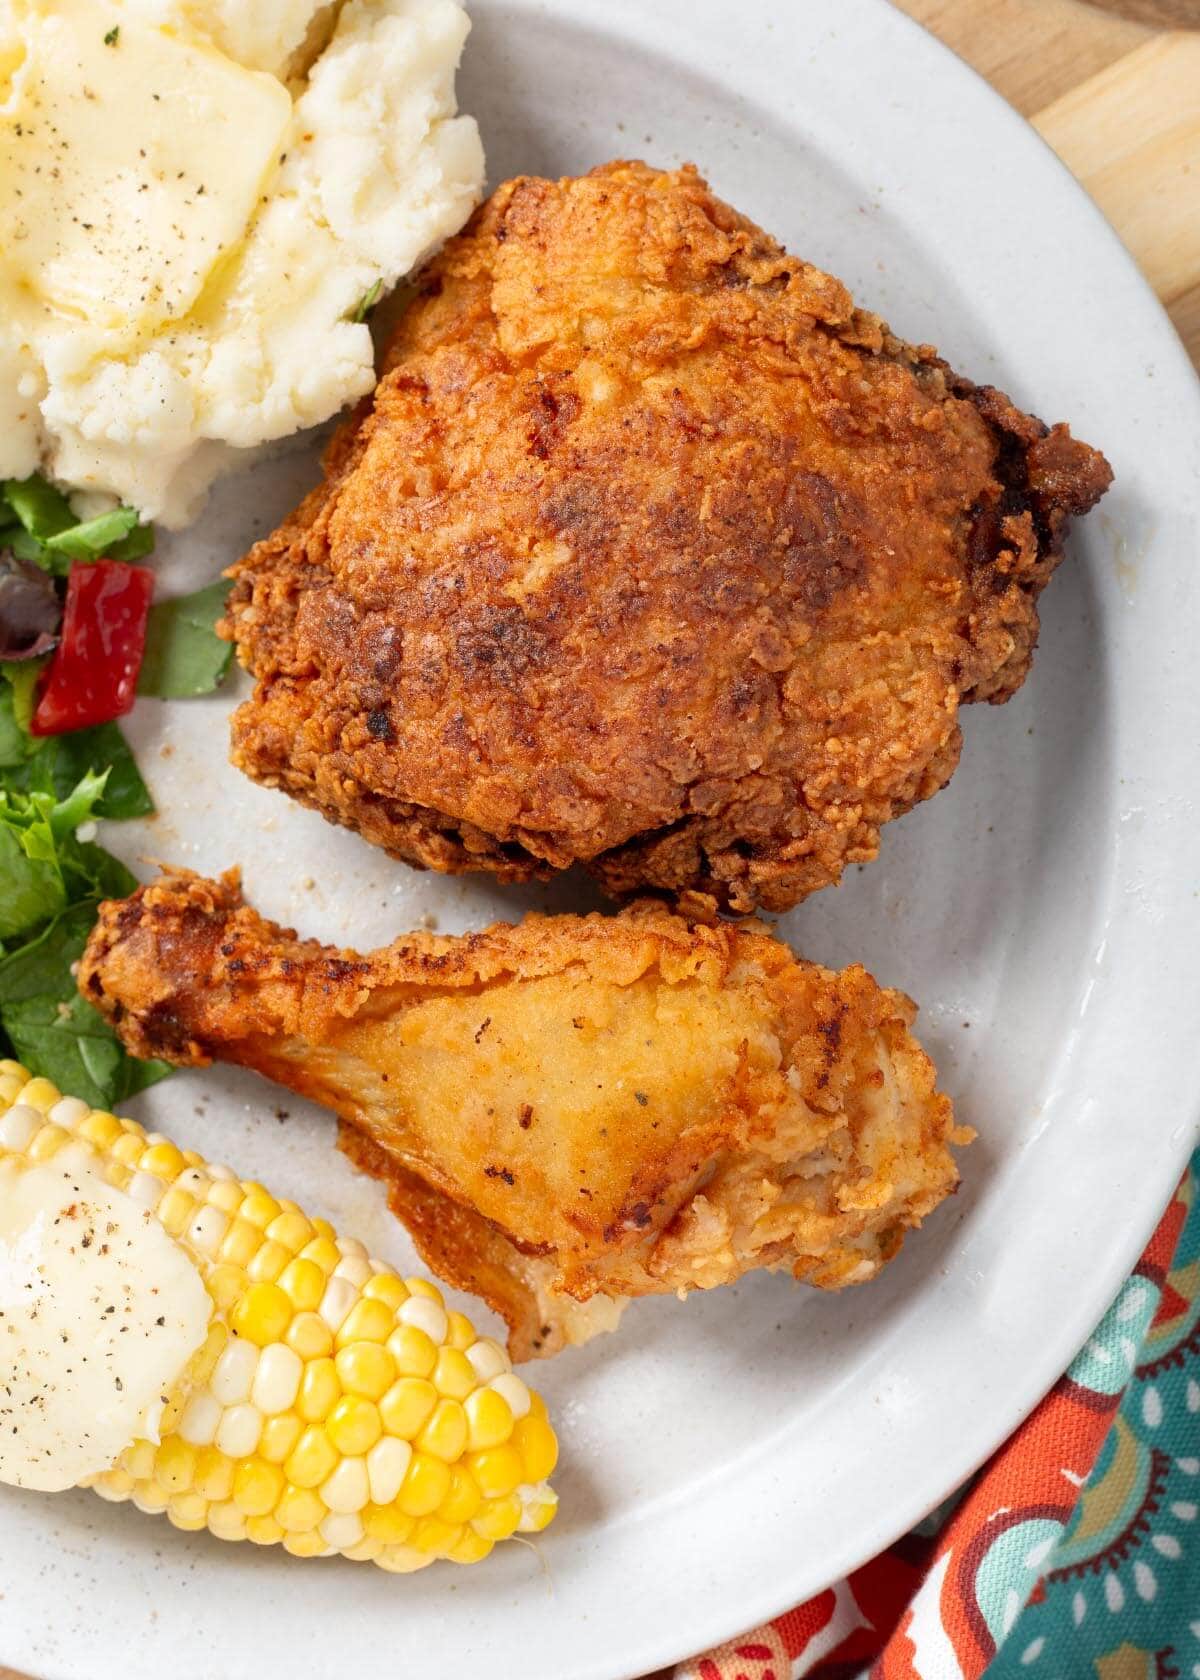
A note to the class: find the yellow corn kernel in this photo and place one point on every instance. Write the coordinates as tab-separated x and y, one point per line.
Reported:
10	1089
226	1521
101	1129
240	1243
163	1160
469	1548
126	1150
188	1511
263	1531
257	1487
426	1483
214	1474
267	1263
299	1510
40	1094
434	1536
538	1514
47	1142
262	1315
422	1286
319	1390
149	1497
386	1287
303	1282
365	1368
175	1465
498	1518
309	1335
454	1375
460	1331
322	1251
312	1459
224	1193
387	1523
226	1284
415	1353
258	1207
279	1437
407	1406
498	1470
175	1210
324	1229
463	1499
367	1321
365	1551
353	1425
445	1435
291	1229
139	1460
534	1440
306	1544
489	1419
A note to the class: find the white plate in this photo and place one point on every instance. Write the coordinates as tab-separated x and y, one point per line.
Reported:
724	1458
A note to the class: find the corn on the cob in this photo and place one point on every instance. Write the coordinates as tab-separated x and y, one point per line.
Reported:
333	1407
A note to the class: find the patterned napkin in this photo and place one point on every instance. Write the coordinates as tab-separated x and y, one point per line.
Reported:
1074	1553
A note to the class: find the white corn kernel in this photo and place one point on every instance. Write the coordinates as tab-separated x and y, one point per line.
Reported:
68	1113
234	1371
509	1387
340	1295
347	1489
18	1126
145	1189
424	1314
355	1269
239	1430
277	1379
193	1180
487	1359
200	1419
387	1465
76	1156
220	1171
207	1229
351	1246
341	1529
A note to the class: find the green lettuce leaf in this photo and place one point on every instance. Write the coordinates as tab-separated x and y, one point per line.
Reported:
184	655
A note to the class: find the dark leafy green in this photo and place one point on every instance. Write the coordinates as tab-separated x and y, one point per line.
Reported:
184	655
59	761
45	529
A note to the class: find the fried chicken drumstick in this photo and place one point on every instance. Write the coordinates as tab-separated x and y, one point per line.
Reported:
573	1111
651	551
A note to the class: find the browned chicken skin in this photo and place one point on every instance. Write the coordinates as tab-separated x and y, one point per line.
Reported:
571	1112
652	552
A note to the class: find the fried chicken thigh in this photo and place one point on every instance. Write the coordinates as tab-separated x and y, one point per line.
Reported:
571	1112
651	552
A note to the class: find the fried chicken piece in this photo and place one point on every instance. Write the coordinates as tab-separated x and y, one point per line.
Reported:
573	1111
651	552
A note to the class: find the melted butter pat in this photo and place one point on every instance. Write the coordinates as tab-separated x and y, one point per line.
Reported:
100	1312
154	152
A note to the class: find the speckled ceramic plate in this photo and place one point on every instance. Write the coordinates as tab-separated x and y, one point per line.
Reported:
725	1457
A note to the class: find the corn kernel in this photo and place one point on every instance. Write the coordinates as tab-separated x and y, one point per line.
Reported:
188	1511
414	1352
498	1518
206	1232
367	1321
387	1523
426	1484
214	1474
40	1094
303	1282
387	1465
407	1406
149	1497
445	1435
366	1550
126	1149
463	1499
470	1548
324	1229
489	1419
15	1070
488	1359
498	1470
10	1088
239	1430
305	1544
322	1251
234	1371
48	1141
422	1286
340	1295
291	1229
175	1211
263	1314
174	1465
510	1388
460	1332
353	1424
434	1536
309	1336
114	1484
240	1243
266	1265
226	1521
341	1529
402	1560
347	1489
299	1510
537	1514
258	1207
19	1127
224	1193
319	1390
386	1287
263	1531
279	1437
453	1375
535	1441
277	1379
424	1314
365	1368
139	1460
257	1487
226	1284
312	1460
354	1269
163	1160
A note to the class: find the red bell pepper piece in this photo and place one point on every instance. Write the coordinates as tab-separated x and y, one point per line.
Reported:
92	677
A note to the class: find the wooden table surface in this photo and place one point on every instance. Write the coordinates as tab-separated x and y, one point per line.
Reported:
1119	100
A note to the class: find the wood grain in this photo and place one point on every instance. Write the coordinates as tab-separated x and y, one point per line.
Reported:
1163	14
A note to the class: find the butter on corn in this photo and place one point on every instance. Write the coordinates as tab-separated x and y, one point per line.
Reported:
319	1401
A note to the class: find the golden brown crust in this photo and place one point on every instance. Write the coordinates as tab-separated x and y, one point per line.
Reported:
573	1111
652	552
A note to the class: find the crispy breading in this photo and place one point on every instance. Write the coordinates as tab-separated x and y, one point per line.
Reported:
573	1111
651	551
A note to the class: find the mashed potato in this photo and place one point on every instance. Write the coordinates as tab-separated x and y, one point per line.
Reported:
195	195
